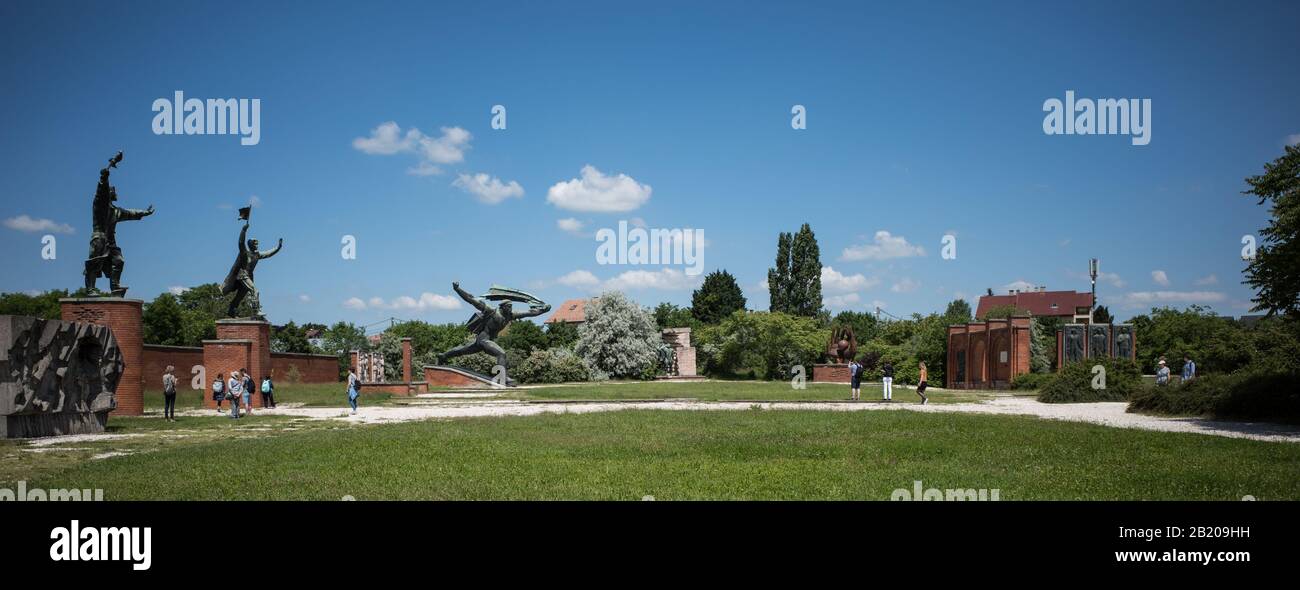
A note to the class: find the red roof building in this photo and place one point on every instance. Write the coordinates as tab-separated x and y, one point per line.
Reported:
1071	305
572	311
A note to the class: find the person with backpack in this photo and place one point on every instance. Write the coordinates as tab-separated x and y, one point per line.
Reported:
249	386
353	394
169	394
887	381
218	390
855	380
268	392
234	393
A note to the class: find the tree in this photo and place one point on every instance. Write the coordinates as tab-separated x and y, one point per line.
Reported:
342	338
1101	315
958	312
778	277
766	343
561	335
429	339
1274	272
44	305
1001	312
163	321
865	326
524	336
290	338
795	283
718	298
668	315
619	338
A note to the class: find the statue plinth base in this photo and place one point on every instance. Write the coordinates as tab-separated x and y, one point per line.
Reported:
123	317
442	376
240	344
831	373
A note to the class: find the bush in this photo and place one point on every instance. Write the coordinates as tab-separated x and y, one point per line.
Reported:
1073	384
619	338
754	343
557	365
1029	381
1259	394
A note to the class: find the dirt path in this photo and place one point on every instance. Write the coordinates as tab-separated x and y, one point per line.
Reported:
1106	414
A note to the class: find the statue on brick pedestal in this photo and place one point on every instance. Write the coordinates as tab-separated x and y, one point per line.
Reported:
240	278
105	257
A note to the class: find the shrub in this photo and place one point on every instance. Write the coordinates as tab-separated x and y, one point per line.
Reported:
766	343
1258	394
557	365
1073	384
619	338
1029	381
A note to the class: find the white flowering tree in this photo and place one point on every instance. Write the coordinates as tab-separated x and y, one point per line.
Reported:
619	338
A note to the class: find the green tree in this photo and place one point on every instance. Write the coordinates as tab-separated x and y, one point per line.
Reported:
524	336
429	339
1274	273
1101	315
342	338
561	335
778	277
795	283
765	343
163	320
958	312
1001	312
718	298
43	305
290	338
619	339
865	326
668	315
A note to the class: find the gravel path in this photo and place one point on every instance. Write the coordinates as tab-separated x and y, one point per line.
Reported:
1106	414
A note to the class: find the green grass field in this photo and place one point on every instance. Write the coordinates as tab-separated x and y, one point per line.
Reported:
671	455
763	391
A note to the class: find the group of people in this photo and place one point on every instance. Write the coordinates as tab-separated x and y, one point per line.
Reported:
856	371
238	390
1163	373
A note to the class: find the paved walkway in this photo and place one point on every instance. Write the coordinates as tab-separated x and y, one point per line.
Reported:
1105	413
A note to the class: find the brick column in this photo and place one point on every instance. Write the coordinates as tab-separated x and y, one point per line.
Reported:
258	333
123	317
406	360
223	357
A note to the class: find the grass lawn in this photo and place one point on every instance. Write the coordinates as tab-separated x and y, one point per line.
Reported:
734	391
672	455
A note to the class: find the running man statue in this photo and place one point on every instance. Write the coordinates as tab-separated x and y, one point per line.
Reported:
240	279
105	257
488	322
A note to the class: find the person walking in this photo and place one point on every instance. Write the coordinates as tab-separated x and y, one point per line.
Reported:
352	390
249	386
923	377
268	392
887	381
855	380
219	390
1162	373
1189	368
169	394
234	393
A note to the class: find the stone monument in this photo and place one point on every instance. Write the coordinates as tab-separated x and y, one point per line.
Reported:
105	256
488	322
56	377
679	353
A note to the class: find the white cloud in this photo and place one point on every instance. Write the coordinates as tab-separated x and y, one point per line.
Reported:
388	139
841	301
1112	278
884	246
579	279
1207	280
1154	298
667	279
354	303
488	189
426	302
907	285
878	303
837	282
305	298
177	290
598	192
1017	285
29	224
1160	278
570	225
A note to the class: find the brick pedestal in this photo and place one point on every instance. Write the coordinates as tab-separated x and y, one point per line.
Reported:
406	360
831	373
240	344
123	317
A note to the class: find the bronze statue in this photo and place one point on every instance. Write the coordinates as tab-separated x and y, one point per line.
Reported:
105	257
240	278
488	322
843	345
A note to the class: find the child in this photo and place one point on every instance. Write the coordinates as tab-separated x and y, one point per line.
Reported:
920	387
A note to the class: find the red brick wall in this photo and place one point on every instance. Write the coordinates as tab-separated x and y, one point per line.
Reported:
223	356
312	368
440	377
831	374
123	317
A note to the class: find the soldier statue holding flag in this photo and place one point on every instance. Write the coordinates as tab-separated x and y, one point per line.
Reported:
240	278
105	257
488	322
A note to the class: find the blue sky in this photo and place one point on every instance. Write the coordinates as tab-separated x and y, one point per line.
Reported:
922	119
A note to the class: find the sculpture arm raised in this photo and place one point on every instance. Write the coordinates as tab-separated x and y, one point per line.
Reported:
243	233
470	299
534	310
272	251
125	214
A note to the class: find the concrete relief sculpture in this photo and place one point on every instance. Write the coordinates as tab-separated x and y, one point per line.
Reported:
56	377
1098	341
1074	350
1123	337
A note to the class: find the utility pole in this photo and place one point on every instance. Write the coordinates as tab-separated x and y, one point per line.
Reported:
1092	272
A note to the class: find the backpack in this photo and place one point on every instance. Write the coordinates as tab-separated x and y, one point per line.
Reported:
266	386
